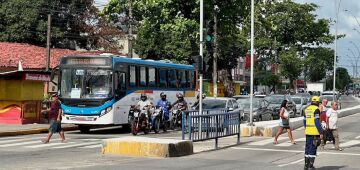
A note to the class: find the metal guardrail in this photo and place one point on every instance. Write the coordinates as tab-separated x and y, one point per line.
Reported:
211	124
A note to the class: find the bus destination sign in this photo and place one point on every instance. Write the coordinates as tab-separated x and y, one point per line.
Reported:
86	61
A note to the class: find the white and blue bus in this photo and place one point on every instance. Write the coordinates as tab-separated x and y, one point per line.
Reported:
99	90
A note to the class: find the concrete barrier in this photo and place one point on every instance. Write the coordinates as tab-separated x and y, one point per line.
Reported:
147	147
269	128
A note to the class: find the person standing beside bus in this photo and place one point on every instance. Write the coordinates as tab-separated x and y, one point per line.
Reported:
55	120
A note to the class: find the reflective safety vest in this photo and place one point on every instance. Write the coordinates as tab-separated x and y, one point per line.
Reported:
310	128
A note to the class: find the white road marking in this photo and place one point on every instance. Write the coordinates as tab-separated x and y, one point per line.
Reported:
289	143
93	146
47	145
284	144
262	149
294	162
76	145
264	142
19	140
296	151
24	143
350	143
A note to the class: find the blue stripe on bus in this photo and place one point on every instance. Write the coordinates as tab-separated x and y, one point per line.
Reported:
86	110
153	63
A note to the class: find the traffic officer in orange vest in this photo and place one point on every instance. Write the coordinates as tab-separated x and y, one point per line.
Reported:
313	131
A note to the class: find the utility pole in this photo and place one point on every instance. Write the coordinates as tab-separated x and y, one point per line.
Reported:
215	55
48	43
130	36
201	56
252	67
48	36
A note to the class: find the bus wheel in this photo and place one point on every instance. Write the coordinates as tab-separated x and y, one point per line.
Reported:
84	129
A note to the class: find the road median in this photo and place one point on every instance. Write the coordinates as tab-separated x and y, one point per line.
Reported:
147	147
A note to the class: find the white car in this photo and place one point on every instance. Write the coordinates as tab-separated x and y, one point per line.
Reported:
301	104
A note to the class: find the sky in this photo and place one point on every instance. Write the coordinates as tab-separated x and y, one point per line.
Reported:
348	48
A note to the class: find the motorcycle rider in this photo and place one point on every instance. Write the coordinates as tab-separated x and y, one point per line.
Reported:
165	104
196	103
143	102
180	103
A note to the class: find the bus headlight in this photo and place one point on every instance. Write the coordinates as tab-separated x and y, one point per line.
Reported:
107	110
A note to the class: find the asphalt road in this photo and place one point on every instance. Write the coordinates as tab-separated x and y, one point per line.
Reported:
82	151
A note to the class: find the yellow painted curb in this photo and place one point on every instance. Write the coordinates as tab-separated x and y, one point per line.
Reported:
147	147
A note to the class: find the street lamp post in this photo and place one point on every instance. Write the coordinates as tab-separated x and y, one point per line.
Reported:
337	7
356	61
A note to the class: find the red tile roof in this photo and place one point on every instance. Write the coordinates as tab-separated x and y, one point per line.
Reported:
33	57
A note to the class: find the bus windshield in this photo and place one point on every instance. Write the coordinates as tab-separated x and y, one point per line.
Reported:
86	83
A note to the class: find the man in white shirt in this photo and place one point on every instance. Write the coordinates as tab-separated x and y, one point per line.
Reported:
331	124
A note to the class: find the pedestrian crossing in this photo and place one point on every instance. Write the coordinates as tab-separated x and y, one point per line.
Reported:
34	142
285	142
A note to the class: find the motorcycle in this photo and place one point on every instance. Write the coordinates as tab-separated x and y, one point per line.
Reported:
139	120
158	120
176	118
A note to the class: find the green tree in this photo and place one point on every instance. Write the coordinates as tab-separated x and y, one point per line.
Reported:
290	65
318	62
25	21
343	79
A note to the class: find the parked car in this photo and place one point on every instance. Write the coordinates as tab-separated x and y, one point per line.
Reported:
301	104
275	103
220	103
214	105
261	111
330	99
237	97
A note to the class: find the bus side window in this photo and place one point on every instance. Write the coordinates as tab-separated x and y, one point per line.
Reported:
190	79
152	77
172	79
182	79
132	74
120	83
142	76
162	78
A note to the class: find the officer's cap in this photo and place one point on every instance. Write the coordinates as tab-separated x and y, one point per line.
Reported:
315	99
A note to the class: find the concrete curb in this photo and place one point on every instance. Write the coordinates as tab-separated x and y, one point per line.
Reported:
147	147
34	131
269	128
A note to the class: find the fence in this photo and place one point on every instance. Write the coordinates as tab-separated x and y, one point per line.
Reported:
211	124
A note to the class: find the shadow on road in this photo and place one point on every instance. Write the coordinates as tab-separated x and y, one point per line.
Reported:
330	167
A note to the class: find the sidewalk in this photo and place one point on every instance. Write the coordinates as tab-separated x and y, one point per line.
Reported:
14	130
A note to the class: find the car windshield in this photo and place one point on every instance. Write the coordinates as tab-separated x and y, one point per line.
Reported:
214	104
297	100
245	104
86	83
275	99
